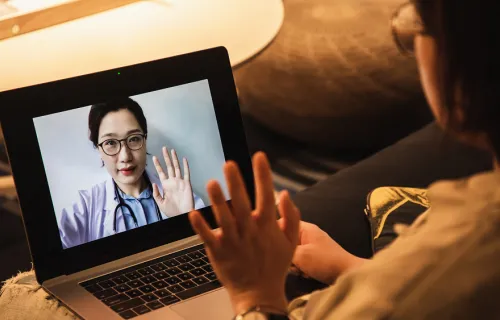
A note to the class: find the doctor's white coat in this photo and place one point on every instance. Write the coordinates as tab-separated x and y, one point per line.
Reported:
91	217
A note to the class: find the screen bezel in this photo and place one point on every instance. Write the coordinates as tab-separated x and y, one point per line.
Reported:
20	106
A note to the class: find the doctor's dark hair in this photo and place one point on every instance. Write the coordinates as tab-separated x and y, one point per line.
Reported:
100	110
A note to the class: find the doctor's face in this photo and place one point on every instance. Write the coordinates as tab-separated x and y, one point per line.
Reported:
127	166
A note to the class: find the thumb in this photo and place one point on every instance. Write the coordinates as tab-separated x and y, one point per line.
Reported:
156	194
290	218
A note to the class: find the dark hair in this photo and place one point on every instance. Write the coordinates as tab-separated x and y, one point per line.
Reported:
467	34
100	110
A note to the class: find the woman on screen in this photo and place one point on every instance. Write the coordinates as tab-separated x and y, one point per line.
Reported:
131	197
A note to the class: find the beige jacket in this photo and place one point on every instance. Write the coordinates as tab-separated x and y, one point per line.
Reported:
446	265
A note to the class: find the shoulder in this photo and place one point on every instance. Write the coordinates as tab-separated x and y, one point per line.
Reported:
96	192
478	193
93	190
482	183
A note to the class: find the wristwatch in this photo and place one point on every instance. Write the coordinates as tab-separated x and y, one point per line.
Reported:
261	313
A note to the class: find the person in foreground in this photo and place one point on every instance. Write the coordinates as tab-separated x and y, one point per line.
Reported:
443	266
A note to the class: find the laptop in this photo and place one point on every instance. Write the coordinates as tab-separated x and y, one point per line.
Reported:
88	250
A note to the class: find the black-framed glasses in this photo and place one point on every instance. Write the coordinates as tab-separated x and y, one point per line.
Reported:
112	147
406	24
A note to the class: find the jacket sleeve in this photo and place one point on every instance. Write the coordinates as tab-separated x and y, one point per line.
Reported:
73	224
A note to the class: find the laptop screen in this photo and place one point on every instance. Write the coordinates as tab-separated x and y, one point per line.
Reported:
128	162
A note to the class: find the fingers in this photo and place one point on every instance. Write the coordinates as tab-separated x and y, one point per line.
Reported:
186	170
175	161
264	189
290	217
159	169
239	196
221	211
201	227
166	157
156	194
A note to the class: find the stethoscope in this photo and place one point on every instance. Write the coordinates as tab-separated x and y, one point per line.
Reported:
121	204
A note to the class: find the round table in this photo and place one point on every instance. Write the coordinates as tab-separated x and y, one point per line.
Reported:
139	32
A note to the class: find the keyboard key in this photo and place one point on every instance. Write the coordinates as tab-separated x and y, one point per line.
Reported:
135	283
186	267
120	280
141	309
198	263
93	288
122	288
198	290
129	314
107	284
162	293
155	305
205	259
203	252
127	305
171	263
208	268
197	272
174	271
116	299
169	300
90	282
175	288
183	259
134	293
105	294
200	280
133	275
159	284
158	267
149	297
148	279
185	276
146	271
147	288
195	255
161	275
211	276
188	284
172	280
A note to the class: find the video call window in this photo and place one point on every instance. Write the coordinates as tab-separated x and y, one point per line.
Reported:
130	161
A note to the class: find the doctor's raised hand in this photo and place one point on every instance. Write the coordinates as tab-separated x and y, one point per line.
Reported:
251	251
177	195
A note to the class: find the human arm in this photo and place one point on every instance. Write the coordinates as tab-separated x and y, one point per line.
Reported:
253	271
320	257
73	222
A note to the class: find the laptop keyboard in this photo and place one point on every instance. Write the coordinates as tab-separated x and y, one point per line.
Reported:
154	284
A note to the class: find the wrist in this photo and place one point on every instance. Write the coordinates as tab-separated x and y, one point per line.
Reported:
273	300
350	263
355	262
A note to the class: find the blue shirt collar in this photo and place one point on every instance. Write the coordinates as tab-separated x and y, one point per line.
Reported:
146	194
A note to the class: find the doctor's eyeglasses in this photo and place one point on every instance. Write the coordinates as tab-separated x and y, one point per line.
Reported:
112	147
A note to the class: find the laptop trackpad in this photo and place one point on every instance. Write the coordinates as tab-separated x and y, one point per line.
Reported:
214	305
